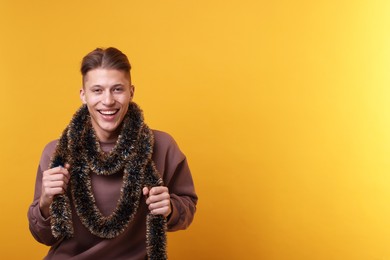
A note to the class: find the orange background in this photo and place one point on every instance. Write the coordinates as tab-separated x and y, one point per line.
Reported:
282	108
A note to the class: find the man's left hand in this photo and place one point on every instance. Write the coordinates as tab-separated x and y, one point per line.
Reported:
158	200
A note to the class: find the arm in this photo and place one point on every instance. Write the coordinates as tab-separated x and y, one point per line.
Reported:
48	183
38	224
182	199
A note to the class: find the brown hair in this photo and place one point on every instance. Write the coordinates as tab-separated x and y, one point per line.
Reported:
109	58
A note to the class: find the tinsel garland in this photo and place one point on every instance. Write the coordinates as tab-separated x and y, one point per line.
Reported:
131	155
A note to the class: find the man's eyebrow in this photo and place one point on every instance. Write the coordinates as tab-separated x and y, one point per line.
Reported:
115	85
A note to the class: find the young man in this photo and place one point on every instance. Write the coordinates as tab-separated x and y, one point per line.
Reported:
110	187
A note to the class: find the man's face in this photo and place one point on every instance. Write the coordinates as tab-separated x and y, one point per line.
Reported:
107	93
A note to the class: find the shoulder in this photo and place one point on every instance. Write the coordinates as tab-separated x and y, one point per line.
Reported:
50	147
165	145
162	138
47	154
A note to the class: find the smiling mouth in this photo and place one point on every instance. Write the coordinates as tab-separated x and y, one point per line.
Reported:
108	112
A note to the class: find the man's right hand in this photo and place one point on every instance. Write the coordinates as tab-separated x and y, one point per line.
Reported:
54	181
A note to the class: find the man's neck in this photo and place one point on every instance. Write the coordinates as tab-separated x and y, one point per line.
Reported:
107	138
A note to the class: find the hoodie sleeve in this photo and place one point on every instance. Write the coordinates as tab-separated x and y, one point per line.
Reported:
40	226
173	166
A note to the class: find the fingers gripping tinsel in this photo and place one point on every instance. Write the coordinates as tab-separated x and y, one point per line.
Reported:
132	154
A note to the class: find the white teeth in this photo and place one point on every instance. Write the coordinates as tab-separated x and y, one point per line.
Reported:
108	112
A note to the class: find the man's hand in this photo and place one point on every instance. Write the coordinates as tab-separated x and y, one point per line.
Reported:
54	181
158	201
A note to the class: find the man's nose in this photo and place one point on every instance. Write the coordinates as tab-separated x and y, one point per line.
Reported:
108	98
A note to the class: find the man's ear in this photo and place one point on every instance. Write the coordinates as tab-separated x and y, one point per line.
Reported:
82	96
132	90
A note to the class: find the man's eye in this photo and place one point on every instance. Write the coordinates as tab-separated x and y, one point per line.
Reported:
96	90
118	89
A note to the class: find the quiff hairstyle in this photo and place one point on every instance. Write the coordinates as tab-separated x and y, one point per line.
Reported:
109	58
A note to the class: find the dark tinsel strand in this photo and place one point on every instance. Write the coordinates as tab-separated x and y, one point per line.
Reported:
156	237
